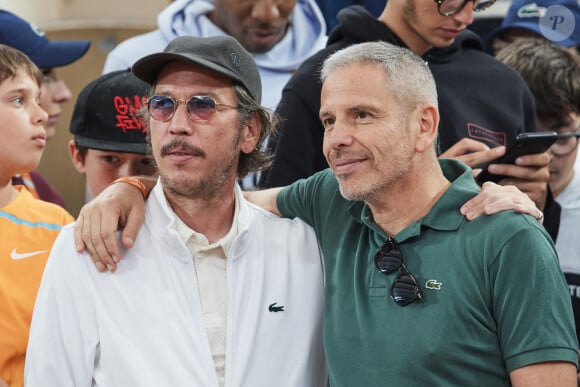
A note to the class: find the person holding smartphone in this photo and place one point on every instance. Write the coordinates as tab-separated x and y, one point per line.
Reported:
554	78
526	144
399	255
482	102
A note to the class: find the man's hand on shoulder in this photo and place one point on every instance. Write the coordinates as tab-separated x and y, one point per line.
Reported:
494	198
119	206
530	173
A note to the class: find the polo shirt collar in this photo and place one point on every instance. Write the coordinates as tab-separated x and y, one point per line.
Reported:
444	215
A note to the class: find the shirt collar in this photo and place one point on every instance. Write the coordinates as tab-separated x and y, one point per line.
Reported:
444	215
198	241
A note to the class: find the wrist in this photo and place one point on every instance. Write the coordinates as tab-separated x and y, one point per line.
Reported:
135	182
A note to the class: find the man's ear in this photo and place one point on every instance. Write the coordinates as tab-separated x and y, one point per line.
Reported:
250	133
427	118
76	157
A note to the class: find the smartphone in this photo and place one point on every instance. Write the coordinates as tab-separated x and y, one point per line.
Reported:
528	143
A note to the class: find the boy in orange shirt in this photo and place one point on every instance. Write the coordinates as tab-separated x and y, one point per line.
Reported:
28	226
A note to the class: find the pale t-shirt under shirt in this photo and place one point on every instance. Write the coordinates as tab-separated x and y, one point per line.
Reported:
210	270
567	244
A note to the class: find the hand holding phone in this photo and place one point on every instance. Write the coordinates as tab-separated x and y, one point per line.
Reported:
526	144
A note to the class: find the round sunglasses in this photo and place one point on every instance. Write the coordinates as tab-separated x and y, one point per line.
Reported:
199	107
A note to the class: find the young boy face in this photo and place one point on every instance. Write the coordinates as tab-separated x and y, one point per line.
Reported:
101	168
562	165
54	93
22	125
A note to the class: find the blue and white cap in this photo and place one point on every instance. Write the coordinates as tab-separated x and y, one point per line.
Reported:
555	20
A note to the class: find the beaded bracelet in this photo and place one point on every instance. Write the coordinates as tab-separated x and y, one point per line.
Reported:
135	182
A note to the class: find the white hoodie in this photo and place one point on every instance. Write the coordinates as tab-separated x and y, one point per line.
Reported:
305	36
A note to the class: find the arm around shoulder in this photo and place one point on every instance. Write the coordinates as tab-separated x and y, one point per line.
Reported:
118	206
265	198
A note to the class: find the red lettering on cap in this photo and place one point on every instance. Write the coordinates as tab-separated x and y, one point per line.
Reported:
127	113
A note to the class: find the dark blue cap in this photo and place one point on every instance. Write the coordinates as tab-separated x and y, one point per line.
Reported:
31	40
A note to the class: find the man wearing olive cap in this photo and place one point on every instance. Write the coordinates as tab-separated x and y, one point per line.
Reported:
215	291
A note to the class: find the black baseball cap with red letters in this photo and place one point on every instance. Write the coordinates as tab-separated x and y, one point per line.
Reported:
106	114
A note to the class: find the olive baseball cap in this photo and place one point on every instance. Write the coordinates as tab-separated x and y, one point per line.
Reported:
221	54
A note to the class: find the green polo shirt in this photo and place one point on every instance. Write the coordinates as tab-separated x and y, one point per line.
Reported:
495	298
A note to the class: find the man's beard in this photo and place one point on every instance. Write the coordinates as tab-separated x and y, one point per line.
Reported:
206	189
